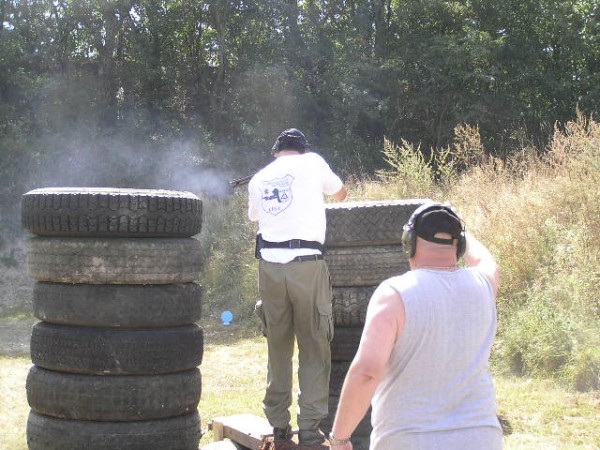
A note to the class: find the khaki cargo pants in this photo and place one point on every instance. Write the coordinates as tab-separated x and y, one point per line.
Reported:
296	302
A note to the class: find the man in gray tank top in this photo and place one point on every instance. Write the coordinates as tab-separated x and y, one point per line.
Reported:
423	360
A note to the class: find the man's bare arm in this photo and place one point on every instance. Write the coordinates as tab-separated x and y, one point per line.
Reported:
385	319
340	195
478	256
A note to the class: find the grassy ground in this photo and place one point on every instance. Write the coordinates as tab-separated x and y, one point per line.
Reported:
542	415
13	402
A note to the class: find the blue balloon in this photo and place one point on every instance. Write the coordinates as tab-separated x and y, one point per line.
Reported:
226	317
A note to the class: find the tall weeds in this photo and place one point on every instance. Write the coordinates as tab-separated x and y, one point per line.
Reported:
538	212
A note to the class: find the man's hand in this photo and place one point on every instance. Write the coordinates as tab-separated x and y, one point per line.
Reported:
340	195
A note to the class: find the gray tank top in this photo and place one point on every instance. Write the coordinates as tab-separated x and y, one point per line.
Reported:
438	377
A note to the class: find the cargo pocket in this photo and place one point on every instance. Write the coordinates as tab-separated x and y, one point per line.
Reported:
326	320
259	311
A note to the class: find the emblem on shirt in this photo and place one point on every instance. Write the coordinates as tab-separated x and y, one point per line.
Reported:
276	195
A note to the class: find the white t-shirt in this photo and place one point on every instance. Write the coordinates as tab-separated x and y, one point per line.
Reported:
286	198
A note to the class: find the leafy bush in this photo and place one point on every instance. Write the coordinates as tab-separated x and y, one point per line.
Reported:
410	173
537	338
584	370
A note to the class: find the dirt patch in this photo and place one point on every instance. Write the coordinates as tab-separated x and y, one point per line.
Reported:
15	334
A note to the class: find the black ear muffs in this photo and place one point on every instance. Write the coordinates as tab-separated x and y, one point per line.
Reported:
461	245
409	235
409	240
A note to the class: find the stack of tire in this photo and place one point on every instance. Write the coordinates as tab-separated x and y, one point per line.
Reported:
364	247
116	352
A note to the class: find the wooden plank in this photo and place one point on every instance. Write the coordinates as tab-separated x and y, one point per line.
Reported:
245	429
221	445
217	428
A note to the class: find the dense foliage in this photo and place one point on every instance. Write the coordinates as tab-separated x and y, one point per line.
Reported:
127	92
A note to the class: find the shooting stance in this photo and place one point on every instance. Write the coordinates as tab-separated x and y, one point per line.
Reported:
287	199
423	360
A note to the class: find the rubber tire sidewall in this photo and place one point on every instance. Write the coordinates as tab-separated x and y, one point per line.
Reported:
123	305
350	305
113	351
176	433
367	222
365	266
108	398
113	212
345	343
114	261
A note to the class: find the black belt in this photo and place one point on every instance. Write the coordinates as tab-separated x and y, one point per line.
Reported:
292	243
307	258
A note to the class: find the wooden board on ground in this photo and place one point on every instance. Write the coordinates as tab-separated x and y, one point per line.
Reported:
222	445
245	429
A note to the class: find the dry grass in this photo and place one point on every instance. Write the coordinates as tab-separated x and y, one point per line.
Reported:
233	378
539	213
545	416
542	414
234	373
13	402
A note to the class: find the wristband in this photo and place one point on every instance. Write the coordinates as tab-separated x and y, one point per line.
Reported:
335	441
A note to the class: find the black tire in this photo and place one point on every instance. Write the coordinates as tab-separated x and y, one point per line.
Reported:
362	430
111	212
112	351
339	369
345	343
177	433
365	266
368	223
113	398
350	305
124	305
114	261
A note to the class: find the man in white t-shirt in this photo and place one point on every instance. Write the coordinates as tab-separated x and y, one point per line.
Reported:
287	199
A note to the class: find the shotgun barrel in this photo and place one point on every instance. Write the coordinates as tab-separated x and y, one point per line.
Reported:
237	182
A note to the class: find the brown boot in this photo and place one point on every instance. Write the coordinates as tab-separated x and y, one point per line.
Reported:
312	440
271	444
281	440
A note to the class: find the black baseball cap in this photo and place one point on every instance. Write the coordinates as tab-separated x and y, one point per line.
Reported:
291	139
439	220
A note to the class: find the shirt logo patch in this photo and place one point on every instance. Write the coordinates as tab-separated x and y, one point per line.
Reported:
276	195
